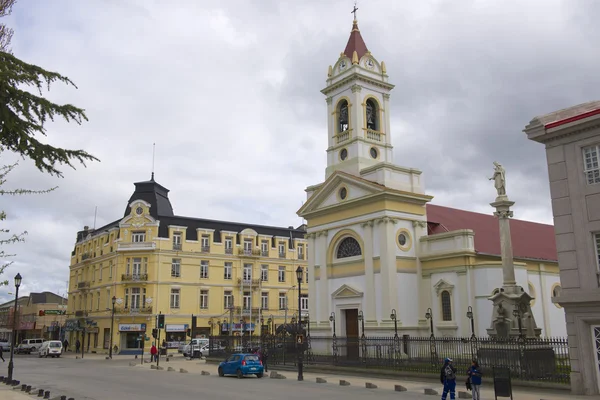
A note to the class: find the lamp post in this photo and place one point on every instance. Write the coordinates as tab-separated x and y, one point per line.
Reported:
429	316
361	318
332	319
393	317
300	344
112	326
470	316
517	314
14	331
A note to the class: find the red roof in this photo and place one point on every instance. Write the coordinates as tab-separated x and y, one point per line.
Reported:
529	239
355	43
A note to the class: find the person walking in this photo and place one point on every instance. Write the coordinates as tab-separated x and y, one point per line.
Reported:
264	356
153	353
448	379
1	350
474	374
66	345
77	346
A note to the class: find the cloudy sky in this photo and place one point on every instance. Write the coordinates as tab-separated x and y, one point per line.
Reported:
229	92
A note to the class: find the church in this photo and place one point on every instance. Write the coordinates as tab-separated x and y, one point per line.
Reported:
383	260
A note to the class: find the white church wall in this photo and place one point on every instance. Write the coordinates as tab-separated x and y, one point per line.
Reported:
538	307
408	300
378	299
353	193
408	250
483	315
445	328
340	304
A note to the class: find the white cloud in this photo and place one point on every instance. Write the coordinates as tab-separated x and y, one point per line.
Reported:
230	95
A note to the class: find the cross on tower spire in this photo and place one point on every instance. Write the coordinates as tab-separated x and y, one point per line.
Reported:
354	10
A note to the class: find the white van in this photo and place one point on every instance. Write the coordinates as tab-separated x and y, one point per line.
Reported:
28	346
52	348
194	344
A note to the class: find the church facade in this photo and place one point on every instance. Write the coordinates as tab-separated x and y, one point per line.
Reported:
380	255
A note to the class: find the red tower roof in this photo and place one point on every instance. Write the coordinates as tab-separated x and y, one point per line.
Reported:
355	43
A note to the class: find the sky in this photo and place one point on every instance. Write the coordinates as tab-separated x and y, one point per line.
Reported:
230	93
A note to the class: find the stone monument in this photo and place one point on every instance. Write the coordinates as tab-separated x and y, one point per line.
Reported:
512	315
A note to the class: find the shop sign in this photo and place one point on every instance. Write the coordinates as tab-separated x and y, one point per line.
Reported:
52	312
132	327
72	325
25	326
92	330
176	328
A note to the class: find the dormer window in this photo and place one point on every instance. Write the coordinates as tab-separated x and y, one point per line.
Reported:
177	241
205	243
228	245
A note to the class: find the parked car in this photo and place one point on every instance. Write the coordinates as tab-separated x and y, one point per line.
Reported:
29	346
206	350
5	344
194	344
242	365
52	348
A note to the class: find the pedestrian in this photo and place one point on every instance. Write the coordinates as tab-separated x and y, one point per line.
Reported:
448	379
474	374
77	346
1	350
66	345
264	356
153	353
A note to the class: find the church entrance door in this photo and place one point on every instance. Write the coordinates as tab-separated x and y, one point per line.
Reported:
352	333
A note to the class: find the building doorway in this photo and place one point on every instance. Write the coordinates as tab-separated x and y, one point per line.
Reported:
352	344
596	339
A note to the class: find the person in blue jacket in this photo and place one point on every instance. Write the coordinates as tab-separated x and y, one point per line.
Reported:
475	377
448	379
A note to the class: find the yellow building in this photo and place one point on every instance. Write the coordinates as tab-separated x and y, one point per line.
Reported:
152	261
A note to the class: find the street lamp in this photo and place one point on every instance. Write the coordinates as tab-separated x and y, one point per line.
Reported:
517	314
112	326
393	317
332	319
361	318
14	331
429	316
299	275
470	316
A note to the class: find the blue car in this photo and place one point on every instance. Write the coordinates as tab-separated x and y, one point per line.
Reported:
241	365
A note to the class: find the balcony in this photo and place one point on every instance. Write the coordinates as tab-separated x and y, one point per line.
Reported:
342	136
81	313
134	277
249	252
83	285
264	253
133	310
136	246
248	282
205	249
281	255
228	250
177	246
246	311
85	256
300	256
374	135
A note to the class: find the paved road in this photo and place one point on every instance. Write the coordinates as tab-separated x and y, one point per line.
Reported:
107	380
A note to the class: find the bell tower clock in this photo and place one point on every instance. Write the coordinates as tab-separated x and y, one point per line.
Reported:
358	94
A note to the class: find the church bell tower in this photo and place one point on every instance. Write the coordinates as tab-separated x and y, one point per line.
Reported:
358	118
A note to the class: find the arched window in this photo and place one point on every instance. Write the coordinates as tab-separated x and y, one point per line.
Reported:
371	115
348	247
446	306
556	291
343	116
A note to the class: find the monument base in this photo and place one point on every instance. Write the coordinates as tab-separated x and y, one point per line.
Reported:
512	315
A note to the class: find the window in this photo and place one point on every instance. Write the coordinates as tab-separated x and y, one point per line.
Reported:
204	269
94	273
100	272
228	245
591	166
300	252
264	300
446	306
371	114
175	294
176	268
108	300
227	299
204	299
110	268
126	298
264	273
304	302
205	243
138	237
177	241
98	301
282	301
248	246
264	248
135	298
348	247
597	243
247	272
247	301
281	275
227	270
556	291
137	268
281	249
343	116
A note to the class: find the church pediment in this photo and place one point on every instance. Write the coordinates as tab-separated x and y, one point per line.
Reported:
442	285
346	291
340	188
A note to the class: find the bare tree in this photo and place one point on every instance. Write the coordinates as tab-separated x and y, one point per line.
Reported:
6	33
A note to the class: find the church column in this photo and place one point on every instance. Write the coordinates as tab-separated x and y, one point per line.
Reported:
324	298
389	298
357	112
370	310
312	286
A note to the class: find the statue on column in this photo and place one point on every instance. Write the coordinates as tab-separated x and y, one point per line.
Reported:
499	179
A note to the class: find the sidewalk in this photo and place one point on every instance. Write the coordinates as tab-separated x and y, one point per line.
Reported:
7	393
487	391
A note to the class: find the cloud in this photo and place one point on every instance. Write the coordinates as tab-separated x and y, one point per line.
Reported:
229	93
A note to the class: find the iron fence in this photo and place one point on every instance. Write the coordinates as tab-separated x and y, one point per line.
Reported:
542	360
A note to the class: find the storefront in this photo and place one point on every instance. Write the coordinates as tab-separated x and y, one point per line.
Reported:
176	335
132	337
